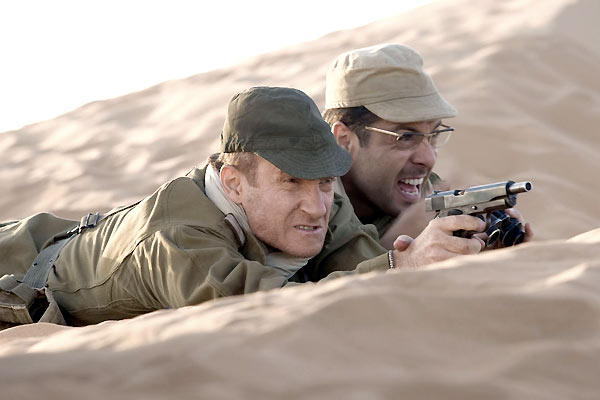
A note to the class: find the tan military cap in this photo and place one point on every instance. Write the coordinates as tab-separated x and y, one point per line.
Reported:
389	81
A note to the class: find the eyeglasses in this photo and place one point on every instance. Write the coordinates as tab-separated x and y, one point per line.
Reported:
409	140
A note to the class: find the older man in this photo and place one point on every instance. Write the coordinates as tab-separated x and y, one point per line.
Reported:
261	215
386	111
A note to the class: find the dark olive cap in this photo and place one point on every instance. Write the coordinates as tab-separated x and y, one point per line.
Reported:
283	126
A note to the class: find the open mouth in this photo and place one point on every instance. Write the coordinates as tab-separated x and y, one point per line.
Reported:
410	188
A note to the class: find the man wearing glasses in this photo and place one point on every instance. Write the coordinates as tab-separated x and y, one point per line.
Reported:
386	111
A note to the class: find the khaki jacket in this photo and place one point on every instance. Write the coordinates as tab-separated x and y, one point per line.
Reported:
172	249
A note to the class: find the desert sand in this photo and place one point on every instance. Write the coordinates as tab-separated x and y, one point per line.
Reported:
515	323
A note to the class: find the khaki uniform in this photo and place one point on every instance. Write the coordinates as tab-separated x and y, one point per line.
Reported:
172	249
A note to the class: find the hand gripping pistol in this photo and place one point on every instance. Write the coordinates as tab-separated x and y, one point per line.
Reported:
488	203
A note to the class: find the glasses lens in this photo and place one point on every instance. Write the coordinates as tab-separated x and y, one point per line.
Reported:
408	140
438	139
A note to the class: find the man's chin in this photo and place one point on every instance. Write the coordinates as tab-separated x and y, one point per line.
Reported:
400	205
304	251
300	248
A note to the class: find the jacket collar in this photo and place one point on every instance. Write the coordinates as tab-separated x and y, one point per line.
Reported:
252	249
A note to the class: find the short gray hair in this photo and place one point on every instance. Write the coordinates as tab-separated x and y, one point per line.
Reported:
246	162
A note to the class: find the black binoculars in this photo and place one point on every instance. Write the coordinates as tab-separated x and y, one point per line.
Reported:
503	230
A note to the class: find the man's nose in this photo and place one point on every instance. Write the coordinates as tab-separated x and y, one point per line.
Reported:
424	154
313	202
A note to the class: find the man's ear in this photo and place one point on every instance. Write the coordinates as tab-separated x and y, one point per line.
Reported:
232	182
343	135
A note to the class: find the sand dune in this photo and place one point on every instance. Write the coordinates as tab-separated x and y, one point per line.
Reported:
520	323
522	75
515	323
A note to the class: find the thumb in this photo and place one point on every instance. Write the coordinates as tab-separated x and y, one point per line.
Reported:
402	242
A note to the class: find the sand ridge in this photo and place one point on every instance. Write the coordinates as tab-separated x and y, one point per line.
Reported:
511	323
521	75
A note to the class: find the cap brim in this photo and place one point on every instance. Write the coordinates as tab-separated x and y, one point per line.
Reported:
310	164
413	109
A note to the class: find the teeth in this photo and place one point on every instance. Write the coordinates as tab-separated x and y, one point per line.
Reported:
413	182
306	228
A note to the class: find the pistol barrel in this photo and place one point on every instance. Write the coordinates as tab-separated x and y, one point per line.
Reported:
520	187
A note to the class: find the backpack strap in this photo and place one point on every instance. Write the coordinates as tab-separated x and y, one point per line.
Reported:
37	274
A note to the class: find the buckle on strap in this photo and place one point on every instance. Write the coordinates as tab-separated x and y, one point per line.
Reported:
88	221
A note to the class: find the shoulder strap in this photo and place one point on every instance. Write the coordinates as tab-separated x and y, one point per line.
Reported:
37	274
